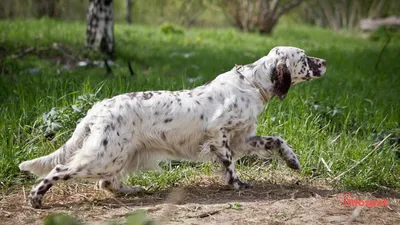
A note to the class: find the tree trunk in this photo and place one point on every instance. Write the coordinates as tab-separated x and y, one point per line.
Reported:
329	11
258	15
267	25
129	5
100	26
47	8
375	10
354	14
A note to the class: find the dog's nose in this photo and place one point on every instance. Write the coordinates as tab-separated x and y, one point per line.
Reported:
324	62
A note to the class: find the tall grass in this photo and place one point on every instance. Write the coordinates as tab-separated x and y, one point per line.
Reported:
333	123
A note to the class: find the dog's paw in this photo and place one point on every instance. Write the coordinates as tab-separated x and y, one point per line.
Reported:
293	163
36	202
239	185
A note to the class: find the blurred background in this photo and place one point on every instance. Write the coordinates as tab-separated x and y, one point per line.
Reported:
252	15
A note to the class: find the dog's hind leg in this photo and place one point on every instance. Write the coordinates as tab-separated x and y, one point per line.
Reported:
83	166
57	174
70	171
261	144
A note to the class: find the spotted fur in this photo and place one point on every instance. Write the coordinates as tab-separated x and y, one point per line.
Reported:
217	121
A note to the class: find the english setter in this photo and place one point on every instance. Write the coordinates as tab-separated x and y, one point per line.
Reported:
216	121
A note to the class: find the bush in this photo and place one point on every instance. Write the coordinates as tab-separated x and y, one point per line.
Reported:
168	28
66	117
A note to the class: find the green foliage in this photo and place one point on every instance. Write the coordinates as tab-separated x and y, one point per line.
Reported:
66	117
332	122
383	33
60	219
136	218
139	218
236	206
168	28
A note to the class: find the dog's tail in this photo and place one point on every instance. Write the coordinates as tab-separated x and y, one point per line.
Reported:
43	165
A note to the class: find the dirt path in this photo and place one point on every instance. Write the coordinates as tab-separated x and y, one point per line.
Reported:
205	203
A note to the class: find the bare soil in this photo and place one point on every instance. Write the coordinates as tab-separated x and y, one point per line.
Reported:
206	202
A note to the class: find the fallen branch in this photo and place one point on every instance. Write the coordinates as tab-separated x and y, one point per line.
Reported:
23	53
374	24
206	214
55	47
65	53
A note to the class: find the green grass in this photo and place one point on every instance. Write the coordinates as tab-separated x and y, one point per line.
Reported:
333	122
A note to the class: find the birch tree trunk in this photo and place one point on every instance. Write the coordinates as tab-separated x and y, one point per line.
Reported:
100	26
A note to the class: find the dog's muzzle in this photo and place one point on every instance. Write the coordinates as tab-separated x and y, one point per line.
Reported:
317	66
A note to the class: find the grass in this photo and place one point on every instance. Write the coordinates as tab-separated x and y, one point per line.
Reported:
333	122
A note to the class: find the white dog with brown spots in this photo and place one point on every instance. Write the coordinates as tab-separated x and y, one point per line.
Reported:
216	121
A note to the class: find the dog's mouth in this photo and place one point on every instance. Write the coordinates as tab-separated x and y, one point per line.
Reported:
317	66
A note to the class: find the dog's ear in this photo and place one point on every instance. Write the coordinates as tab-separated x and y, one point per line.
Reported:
281	79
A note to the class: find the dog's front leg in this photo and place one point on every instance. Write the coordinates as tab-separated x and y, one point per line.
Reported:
222	150
273	143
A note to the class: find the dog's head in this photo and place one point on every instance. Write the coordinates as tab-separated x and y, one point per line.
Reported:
290	66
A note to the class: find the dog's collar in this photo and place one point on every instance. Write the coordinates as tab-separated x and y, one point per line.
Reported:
254	84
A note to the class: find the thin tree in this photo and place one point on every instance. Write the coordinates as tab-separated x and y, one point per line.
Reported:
47	8
129	5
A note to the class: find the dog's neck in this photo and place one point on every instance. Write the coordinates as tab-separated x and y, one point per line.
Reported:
259	77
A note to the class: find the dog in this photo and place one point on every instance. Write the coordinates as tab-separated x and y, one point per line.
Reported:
213	122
